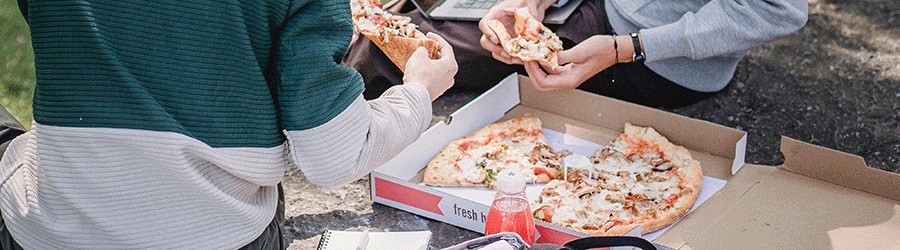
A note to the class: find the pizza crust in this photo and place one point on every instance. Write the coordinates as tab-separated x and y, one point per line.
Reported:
612	231
499	30
689	171
397	48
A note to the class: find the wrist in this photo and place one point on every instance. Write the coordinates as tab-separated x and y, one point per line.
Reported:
624	48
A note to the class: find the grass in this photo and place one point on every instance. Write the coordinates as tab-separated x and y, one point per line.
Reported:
17	75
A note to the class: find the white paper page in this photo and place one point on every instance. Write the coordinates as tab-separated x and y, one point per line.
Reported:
341	240
558	140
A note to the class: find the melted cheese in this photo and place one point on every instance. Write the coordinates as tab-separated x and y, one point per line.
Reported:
505	154
365	24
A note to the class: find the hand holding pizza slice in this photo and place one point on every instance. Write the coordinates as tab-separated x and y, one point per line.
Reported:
395	35
533	41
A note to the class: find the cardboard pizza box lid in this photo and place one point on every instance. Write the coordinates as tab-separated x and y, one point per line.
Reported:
819	199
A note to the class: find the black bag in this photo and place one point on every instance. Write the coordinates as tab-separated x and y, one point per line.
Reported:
579	244
9	129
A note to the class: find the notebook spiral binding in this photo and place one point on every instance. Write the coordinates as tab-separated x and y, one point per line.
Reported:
326	235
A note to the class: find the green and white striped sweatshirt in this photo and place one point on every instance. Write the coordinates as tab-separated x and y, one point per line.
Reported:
167	124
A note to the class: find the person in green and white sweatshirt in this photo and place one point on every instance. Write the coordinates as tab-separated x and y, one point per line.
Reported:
170	124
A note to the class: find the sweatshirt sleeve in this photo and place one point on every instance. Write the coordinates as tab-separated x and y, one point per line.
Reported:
334	136
363	137
23	8
723	27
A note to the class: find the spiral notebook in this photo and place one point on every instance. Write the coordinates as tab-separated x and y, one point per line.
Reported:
343	240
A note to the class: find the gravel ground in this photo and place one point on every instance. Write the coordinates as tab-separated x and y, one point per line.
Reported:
835	83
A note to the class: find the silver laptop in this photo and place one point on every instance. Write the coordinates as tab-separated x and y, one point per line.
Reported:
473	10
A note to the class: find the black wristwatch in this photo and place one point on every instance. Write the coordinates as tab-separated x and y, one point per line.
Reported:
638	56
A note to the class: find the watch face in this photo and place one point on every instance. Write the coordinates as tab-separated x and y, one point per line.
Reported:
639	58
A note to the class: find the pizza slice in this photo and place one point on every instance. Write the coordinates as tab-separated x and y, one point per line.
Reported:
395	35
639	179
474	160
533	41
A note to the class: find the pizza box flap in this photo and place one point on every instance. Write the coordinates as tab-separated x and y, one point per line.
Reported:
804	204
839	168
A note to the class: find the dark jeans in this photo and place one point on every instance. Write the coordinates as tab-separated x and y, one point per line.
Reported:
271	238
478	71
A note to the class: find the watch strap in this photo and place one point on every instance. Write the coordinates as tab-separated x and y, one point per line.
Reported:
638	56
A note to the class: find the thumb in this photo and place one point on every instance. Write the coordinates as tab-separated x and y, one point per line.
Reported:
419	55
578	53
536	11
565	56
421	51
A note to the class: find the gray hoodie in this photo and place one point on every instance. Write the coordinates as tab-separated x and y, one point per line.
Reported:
698	43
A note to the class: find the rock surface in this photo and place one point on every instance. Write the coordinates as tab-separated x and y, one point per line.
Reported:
834	83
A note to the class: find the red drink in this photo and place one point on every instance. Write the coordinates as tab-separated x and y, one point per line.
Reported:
510	211
511	214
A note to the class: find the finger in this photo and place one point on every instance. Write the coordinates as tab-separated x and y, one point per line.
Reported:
564	57
446	49
538	8
487	31
420	53
550	70
504	15
490	46
514	60
501	58
537	14
538	77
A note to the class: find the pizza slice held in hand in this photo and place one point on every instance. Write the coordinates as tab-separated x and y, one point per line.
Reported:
533	41
475	160
395	35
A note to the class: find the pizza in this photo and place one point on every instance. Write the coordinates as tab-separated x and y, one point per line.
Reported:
533	41
395	35
475	159
640	178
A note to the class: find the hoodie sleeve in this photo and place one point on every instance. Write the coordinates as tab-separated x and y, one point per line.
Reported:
723	27
334	135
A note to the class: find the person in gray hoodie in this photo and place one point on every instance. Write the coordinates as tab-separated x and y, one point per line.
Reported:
688	49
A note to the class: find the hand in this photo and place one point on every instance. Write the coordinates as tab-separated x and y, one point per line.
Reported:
538	8
584	61
435	74
505	13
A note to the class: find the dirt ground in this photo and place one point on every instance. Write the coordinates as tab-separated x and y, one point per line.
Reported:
835	83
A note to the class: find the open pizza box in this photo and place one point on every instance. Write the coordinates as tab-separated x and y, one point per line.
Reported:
819	198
